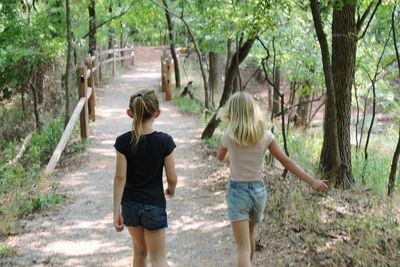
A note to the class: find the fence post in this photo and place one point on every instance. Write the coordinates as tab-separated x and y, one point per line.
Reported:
84	116
114	62
168	68
132	53
163	74
91	83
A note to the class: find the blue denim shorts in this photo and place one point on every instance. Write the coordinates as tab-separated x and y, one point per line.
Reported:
149	216
246	201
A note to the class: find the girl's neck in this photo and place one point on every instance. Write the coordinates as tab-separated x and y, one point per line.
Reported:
148	126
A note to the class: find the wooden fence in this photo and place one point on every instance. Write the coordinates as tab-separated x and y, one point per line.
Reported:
89	77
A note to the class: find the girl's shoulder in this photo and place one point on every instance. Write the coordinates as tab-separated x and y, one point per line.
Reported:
125	136
269	137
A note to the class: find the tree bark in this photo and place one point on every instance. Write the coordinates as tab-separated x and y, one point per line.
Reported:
302	110
276	98
330	156
395	161
69	63
172	45
215	75
110	31
243	51
344	45
92	27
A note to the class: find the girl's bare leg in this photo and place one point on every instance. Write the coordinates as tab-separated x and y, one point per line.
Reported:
252	230
139	246
242	238
155	241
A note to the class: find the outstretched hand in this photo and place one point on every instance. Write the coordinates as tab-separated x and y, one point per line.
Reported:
319	185
118	222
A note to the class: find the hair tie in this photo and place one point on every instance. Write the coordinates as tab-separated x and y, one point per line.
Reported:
137	95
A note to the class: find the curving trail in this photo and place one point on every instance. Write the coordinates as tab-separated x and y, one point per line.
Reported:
81	232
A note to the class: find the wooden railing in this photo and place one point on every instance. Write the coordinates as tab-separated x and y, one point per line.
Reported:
88	77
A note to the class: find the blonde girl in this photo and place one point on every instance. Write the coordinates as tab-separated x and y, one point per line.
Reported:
246	141
139	201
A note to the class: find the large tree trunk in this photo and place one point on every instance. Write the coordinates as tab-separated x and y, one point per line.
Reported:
215	75
92	27
330	155
395	160
172	45
69	63
344	44
228	85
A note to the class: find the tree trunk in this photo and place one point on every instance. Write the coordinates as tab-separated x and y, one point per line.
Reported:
228	85
215	75
302	110
330	156
229	54
69	63
395	161
35	107
92	27
276	99
344	44
110	31
172	45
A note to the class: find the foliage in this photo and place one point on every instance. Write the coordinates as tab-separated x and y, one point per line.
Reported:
187	105
6	251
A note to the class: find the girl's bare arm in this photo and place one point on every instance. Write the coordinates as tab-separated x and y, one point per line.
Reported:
222	153
170	172
276	151
119	184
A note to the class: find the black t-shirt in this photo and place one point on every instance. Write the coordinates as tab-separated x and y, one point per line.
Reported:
145	162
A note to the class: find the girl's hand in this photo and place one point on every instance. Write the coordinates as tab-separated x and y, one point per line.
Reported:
169	193
319	185
118	222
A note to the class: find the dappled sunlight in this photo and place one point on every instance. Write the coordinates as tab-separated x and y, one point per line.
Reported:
102	151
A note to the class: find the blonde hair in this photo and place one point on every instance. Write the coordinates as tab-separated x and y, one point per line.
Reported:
143	105
246	124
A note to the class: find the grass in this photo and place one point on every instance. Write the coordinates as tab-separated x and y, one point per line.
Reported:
23	190
188	106
6	251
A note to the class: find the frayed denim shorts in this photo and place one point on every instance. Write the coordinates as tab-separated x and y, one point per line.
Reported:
149	216
246	201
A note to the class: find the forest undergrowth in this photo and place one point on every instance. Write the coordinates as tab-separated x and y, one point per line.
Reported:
357	227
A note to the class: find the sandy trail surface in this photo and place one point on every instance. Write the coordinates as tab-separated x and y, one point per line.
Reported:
80	233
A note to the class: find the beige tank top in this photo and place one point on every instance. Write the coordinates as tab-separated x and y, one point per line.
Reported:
247	162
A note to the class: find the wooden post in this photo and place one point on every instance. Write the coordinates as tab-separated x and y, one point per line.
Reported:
132	53
91	83
168	70
133	56
114	66
84	116
163	71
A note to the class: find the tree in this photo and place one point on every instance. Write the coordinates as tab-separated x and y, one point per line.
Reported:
69	62
92	26
335	159
237	58
396	155
172	45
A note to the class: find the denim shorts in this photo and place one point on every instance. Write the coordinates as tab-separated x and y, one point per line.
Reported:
149	216
246	201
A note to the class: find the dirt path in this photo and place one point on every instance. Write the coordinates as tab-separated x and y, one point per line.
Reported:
81	232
